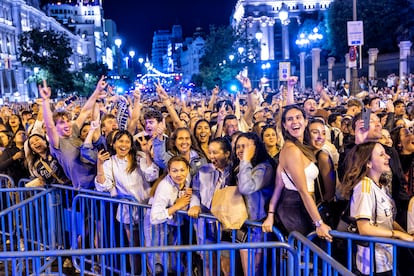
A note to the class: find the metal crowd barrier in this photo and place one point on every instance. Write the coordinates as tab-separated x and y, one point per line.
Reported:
124	252
312	259
97	222
40	230
27	225
346	243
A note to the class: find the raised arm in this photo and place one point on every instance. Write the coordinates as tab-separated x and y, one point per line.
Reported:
290	85
90	103
213	98
51	131
170	106
136	112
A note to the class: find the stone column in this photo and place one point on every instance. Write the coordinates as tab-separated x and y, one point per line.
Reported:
405	47
302	56
331	63
347	69
372	58
285	42
316	62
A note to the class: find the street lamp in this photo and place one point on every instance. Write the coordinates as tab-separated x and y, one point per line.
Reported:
118	43
303	42
132	55
259	34
284	19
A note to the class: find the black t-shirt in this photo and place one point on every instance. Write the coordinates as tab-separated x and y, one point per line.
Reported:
56	169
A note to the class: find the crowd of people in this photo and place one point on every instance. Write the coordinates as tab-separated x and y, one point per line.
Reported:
287	153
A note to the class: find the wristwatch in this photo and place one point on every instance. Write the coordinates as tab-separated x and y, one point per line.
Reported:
318	223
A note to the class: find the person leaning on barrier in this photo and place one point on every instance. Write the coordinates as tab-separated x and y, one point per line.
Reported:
255	171
374	133
172	194
127	173
371	204
210	177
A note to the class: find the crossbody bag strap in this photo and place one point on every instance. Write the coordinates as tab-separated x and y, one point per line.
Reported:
49	169
290	179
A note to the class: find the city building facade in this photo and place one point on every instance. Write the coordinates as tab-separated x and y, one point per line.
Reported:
254	17
16	17
193	51
83	18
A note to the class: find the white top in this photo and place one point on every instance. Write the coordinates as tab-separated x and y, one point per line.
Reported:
166	194
366	198
134	184
311	172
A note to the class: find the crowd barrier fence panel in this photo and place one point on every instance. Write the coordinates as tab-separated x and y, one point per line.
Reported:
124	252
312	259
350	240
105	222
27	225
36	224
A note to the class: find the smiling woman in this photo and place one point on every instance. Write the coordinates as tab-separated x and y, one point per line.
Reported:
295	189
182	143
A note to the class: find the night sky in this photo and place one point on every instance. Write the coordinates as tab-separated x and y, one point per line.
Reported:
138	19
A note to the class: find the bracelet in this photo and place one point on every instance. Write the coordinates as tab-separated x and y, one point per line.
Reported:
318	223
392	234
270	212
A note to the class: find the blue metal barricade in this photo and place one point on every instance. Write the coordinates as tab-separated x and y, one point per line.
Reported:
28	225
124	252
6	181
312	259
347	246
104	222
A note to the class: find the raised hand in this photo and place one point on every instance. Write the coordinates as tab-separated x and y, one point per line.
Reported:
245	81
145	145
45	91
249	151
161	129
292	80
94	125
103	155
161	91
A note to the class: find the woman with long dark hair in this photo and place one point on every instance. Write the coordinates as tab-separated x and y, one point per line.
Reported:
294	191
202	134
41	163
182	143
371	204
254	172
129	174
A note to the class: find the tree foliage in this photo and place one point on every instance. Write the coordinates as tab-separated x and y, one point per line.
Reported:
219	45
50	51
386	23
85	81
